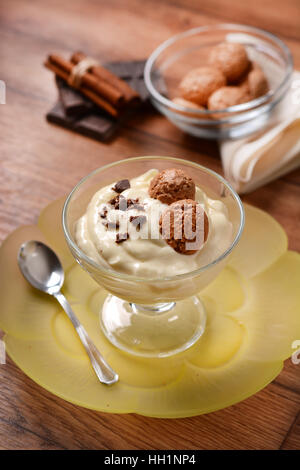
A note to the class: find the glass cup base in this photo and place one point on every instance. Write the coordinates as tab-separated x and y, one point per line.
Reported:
157	330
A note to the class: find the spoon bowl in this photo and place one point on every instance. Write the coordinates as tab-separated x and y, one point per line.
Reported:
41	267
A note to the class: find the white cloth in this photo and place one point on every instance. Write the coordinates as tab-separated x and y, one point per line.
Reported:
260	158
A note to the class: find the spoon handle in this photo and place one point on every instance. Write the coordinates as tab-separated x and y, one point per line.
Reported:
103	371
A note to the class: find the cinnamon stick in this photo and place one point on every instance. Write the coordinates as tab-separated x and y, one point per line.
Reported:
102	73
95	84
61	67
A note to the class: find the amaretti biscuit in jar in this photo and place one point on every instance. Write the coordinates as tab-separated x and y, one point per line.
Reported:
188	104
255	83
231	58
200	83
227	96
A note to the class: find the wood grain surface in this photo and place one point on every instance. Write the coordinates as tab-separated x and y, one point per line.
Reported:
41	162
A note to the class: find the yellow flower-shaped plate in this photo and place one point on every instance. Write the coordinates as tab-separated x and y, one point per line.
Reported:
253	317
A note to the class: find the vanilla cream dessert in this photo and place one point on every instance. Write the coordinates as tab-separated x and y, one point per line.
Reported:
120	230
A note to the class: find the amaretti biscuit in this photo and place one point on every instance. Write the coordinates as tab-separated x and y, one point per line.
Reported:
184	226
171	185
255	83
231	58
227	96
200	83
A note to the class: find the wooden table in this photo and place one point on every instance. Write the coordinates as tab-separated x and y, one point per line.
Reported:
40	162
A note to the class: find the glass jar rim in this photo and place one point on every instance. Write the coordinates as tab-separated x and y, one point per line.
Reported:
248	106
130	277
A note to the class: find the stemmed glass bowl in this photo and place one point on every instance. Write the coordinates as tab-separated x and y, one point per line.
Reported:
151	317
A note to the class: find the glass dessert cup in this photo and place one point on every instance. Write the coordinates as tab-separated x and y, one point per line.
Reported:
151	317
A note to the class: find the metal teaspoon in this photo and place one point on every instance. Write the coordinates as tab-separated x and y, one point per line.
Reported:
43	270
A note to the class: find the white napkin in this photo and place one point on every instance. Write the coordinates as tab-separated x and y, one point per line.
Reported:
260	158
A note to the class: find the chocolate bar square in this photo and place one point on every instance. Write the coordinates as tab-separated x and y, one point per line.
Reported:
138	85
128	69
96	125
75	104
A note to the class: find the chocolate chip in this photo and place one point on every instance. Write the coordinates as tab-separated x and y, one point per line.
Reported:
121	203
138	221
113	225
131	203
134	204
103	213
121	237
114	201
121	185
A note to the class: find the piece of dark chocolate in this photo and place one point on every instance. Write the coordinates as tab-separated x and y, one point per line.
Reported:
94	125
112	225
121	237
57	116
138	85
127	69
138	221
75	104
121	185
103	213
134	204
120	203
97	125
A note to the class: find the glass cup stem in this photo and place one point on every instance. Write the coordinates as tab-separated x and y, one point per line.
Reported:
157	330
154	309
